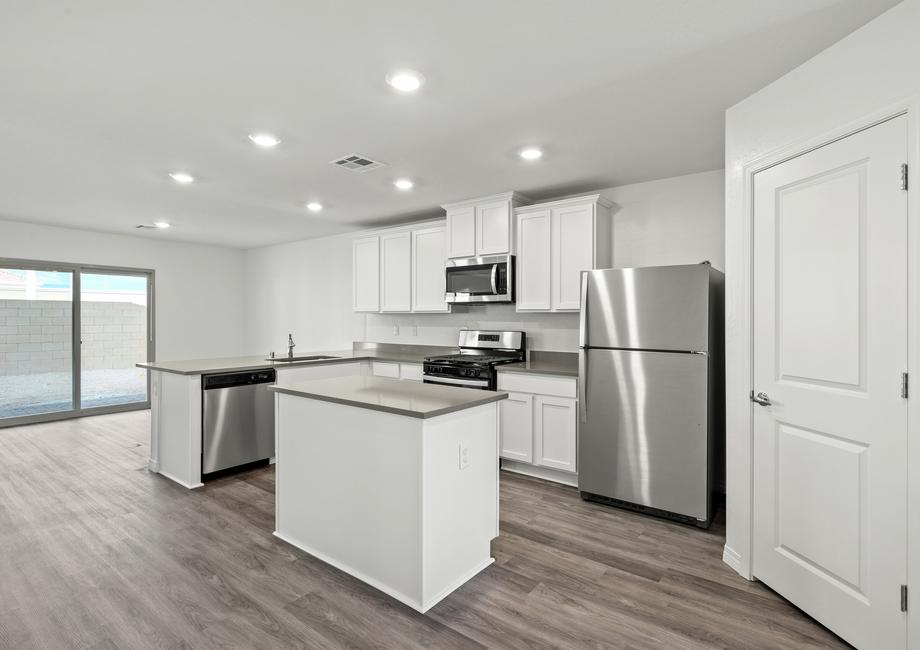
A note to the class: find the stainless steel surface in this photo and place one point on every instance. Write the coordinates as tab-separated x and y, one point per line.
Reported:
644	437
486	340
481	352
761	398
310	357
238	424
651	388
477	383
489	290
581	384
290	354
654	308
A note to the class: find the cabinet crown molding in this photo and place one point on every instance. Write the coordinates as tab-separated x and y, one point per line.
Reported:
599	199
504	196
402	227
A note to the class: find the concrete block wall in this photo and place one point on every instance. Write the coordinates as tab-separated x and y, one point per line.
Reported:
35	336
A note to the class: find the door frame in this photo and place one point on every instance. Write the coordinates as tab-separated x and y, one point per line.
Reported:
76	270
739	302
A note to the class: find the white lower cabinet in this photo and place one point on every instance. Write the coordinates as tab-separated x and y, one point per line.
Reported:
538	428
554	432
516	427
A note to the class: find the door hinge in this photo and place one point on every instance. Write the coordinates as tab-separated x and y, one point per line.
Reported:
903	598
904	176
905	385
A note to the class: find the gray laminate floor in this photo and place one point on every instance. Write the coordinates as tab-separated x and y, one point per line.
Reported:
97	552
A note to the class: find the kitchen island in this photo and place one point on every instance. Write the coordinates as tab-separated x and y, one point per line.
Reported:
393	482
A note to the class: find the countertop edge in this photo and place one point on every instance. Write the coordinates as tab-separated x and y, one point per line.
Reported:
491	398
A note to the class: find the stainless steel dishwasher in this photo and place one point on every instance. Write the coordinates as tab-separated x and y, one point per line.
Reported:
238	419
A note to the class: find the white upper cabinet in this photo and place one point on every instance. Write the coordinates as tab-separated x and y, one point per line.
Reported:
461	231
533	250
429	254
366	274
556	241
396	272
482	226
401	270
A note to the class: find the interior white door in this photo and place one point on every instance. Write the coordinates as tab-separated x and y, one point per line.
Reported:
830	346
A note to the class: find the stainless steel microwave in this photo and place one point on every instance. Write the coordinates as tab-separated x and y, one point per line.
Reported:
480	279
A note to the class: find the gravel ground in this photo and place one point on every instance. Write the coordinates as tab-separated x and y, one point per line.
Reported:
50	392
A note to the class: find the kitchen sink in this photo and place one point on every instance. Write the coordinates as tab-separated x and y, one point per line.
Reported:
315	357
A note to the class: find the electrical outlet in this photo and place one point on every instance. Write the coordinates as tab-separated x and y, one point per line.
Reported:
464	456
396	330
415	330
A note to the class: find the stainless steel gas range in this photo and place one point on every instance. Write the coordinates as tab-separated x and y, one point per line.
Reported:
481	351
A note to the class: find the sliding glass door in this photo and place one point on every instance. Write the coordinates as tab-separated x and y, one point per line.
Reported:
70	336
114	337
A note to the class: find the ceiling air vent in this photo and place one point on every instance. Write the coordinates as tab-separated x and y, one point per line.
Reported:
357	163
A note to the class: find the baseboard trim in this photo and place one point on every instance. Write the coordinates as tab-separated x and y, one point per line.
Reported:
153	465
732	559
546	473
190	486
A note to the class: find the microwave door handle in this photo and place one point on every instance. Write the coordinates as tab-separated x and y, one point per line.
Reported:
494	279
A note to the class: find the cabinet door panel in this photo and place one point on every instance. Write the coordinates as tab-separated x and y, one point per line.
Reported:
366	274
493	228
573	252
396	272
429	259
517	427
533	261
554	432
461	232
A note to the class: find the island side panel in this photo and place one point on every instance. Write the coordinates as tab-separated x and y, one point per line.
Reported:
178	428
347	491
460	498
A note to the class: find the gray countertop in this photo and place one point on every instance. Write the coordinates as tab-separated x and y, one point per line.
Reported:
361	352
538	362
408	398
564	364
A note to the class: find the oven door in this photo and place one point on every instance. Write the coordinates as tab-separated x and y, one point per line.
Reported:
480	279
481	383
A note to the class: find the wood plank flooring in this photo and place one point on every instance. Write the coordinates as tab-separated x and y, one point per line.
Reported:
96	552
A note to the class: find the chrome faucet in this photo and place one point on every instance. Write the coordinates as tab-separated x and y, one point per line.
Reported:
290	347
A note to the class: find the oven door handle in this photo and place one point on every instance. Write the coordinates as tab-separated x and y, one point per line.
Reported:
459	382
494	279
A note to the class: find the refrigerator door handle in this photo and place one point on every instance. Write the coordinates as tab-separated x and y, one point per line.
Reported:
583	320
582	388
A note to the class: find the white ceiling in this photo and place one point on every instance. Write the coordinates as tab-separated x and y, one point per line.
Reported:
101	99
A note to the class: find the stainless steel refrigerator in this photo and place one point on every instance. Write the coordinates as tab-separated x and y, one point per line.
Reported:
651	386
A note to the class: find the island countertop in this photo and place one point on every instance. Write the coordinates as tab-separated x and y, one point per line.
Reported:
408	398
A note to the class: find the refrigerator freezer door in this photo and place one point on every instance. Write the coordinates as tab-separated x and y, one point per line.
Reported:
653	308
643	438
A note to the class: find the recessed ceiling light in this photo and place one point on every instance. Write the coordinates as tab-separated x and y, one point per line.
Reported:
313	206
266	140
531	153
182	177
403	184
161	224
405	81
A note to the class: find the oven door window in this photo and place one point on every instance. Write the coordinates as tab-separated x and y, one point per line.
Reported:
477	280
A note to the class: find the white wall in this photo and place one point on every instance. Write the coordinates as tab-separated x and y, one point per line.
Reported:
677	220
305	287
848	85
199	296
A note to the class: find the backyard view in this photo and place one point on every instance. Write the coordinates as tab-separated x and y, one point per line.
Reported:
36	340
